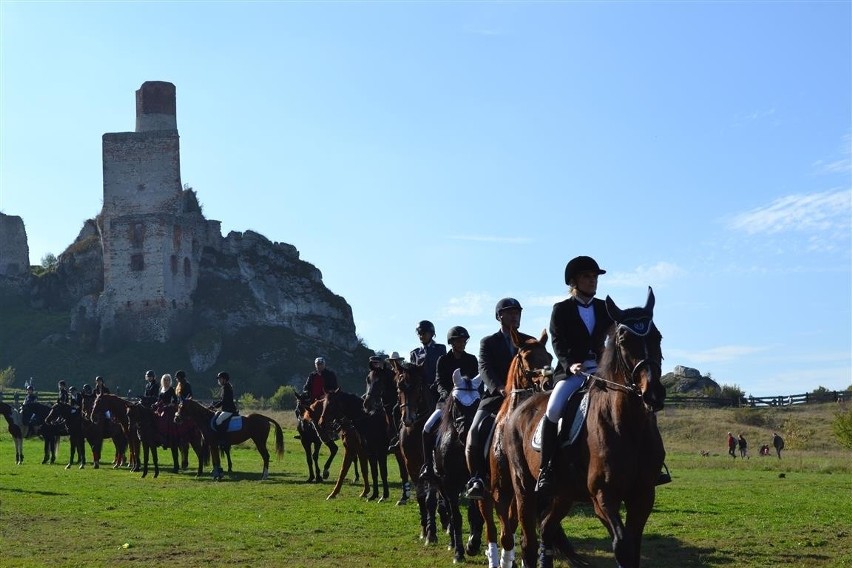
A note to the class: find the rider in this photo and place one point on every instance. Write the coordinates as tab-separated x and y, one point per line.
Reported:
100	387
226	405
63	392
31	396
427	354
495	356
578	329
167	394
459	359
150	395
320	382
183	390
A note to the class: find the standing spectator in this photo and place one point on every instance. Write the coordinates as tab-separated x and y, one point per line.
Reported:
320	382
732	446
150	395
63	393
778	442
743	445
427	355
100	387
183	390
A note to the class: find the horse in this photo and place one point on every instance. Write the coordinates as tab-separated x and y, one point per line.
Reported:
311	442
618	455
382	396
13	419
76	424
32	423
451	465
354	451
254	427
415	403
117	409
108	429
340	407
156	427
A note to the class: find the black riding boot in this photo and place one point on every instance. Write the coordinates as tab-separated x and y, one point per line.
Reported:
427	472
548	450
473	452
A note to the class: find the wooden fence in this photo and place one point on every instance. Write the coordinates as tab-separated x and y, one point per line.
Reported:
758	401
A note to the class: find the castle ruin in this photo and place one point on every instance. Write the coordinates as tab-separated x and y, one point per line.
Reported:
151	228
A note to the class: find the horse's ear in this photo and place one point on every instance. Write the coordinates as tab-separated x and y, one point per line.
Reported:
615	313
649	303
543	338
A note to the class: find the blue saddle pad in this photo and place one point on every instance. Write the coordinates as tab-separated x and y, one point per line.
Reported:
234	424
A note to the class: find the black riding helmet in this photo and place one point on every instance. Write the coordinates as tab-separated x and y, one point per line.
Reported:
506	304
425	325
457	332
224	376
87	389
581	264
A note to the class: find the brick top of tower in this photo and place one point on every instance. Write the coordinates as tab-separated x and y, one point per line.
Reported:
156	106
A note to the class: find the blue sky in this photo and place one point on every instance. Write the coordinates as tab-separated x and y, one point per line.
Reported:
430	158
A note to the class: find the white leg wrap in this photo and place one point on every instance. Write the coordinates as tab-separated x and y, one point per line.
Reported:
507	558
492	553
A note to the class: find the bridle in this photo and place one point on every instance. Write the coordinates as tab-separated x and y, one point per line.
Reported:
639	327
530	373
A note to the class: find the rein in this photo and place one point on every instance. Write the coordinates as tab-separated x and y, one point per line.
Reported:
631	387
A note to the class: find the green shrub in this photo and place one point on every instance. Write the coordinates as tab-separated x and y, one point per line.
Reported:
842	427
283	398
750	416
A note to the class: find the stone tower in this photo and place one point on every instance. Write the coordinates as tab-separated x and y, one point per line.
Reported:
151	229
14	251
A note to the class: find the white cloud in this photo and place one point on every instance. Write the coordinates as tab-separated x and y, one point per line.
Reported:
492	239
721	354
837	164
825	216
469	304
643	276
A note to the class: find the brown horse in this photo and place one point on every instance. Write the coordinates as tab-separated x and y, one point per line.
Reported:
343	407
354	451
80	429
155	427
108	429
110	407
254	427
415	403
13	419
529	375
312	442
617	458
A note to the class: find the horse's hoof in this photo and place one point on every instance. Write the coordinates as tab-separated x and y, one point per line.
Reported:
325	474
372	497
68	466
474	545
403	501
96	466
458	558
382	499
156	474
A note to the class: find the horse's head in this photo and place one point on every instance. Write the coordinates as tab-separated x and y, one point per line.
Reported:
634	350
58	411
412	393
531	366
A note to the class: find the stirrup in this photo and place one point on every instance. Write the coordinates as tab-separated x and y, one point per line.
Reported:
475	489
665	477
544	483
427	472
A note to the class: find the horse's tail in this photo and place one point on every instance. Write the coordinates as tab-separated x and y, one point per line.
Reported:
279	438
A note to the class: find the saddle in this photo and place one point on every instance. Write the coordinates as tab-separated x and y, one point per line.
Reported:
571	422
233	423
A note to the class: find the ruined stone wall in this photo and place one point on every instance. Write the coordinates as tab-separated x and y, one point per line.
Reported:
14	250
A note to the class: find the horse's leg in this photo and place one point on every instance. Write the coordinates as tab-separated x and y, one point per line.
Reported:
403	474
261	447
175	457
374	473
184	455
363	460
475	522
146	450
306	445
314	466
383	472
638	509
607	509
332	451
19	450
81	450
154	456
431	508
457	533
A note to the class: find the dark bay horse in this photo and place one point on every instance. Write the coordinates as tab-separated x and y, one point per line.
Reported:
33	417
116	407
156	427
416	405
108	429
451	466
382	396
341	407
312	442
80	429
13	419
618	456
354	451
255	427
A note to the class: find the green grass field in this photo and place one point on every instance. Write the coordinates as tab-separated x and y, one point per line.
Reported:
717	512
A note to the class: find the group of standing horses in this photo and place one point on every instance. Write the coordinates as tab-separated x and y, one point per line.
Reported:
614	459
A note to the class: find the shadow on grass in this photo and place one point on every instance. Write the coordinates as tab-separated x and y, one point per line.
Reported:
31	492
